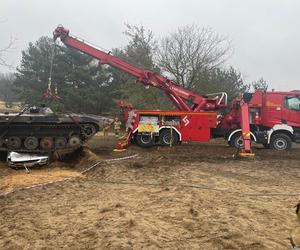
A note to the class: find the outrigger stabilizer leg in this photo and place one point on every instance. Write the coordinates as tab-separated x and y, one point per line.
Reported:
246	135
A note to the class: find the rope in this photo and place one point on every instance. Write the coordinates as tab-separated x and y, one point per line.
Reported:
67	178
124	182
109	160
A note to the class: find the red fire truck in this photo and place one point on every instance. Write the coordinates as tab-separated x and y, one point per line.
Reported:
273	116
274	119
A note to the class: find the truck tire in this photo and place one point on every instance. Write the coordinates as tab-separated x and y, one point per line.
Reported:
166	138
281	142
236	140
144	140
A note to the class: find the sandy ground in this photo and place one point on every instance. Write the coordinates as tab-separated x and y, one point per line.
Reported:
193	196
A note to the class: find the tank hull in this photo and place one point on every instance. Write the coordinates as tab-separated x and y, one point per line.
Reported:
40	130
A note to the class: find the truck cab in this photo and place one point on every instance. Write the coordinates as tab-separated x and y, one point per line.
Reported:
291	113
274	120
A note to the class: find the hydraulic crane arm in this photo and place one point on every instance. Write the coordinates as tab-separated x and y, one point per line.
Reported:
178	95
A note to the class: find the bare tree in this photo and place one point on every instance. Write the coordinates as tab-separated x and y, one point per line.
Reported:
192	50
7	48
260	84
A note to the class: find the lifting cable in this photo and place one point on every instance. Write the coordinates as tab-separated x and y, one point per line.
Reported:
5	128
49	89
51	65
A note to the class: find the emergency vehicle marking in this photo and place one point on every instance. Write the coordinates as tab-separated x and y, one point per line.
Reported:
185	121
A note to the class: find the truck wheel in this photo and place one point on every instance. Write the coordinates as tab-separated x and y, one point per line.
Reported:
281	142
167	139
236	141
144	140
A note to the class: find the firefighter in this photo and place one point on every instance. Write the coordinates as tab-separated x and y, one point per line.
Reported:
117	126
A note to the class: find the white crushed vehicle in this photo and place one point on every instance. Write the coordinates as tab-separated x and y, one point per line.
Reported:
19	160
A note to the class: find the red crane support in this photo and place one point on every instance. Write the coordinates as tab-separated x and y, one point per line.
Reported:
246	135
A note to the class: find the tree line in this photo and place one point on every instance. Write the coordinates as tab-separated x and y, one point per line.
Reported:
194	57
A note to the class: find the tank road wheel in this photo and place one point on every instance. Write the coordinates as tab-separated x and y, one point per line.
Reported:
60	143
88	130
168	137
31	143
74	141
14	142
281	142
144	140
46	143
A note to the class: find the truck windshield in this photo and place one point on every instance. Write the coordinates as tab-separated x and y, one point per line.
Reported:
293	103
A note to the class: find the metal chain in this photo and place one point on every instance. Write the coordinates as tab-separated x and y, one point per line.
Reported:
51	66
53	50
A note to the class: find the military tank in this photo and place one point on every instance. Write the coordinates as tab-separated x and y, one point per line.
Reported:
40	130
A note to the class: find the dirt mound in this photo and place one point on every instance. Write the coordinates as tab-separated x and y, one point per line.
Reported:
78	160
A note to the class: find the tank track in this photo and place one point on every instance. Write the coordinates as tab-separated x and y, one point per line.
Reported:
62	132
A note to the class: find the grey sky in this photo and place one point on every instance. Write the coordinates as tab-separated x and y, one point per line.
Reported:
264	33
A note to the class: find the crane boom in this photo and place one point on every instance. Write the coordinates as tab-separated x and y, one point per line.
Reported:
178	95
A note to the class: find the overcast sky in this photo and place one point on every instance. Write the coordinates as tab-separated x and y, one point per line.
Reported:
264	33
